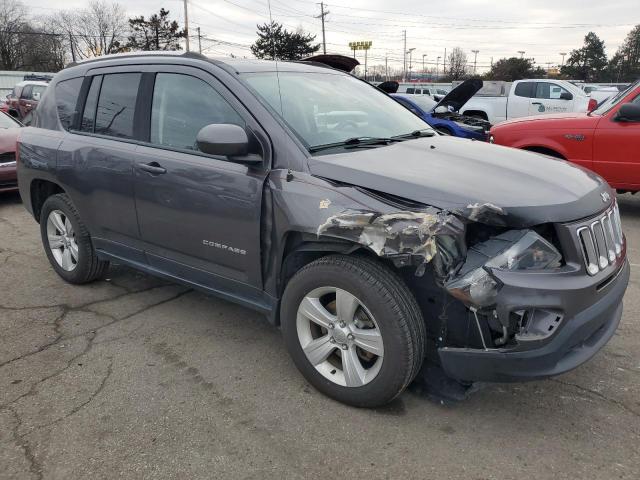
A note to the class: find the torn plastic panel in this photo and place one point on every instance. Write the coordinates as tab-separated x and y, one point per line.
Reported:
486	213
408	237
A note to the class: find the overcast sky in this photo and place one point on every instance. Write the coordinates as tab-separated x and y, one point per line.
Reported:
497	28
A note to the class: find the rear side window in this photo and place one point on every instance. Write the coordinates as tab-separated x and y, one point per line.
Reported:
26	92
91	105
524	89
116	104
182	105
67	99
411	90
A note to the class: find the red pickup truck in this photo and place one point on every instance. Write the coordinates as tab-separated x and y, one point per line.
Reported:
606	140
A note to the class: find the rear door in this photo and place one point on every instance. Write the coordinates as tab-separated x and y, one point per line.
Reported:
95	161
199	215
547	99
520	101
616	150
24	103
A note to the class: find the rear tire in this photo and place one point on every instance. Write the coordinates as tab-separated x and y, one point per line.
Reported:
384	311
67	242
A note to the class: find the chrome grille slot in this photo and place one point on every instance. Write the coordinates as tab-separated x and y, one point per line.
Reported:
601	240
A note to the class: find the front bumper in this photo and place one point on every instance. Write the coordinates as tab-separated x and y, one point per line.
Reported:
584	332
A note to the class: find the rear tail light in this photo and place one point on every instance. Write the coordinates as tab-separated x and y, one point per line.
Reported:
593	104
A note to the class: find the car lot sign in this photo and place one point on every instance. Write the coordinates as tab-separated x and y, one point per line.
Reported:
366	45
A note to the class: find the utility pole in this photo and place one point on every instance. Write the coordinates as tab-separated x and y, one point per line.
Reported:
437	62
73	50
321	16
563	54
199	42
423	71
186	26
521	52
404	57
475	58
386	68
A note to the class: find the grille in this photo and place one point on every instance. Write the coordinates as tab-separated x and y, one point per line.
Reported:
7	157
601	240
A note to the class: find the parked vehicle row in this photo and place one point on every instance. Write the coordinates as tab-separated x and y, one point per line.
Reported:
606	141
9	130
313	197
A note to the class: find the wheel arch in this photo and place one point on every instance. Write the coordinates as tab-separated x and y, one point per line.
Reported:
39	191
544	151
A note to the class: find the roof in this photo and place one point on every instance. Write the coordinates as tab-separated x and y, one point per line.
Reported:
239	65
32	82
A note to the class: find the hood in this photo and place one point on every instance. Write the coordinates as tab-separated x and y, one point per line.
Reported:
8	139
480	181
554	120
456	98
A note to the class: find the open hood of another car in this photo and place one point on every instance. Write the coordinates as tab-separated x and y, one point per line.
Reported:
460	95
339	62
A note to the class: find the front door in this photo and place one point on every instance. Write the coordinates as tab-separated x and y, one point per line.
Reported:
549	98
616	150
199	215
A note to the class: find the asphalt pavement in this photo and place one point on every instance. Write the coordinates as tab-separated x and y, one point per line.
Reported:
133	377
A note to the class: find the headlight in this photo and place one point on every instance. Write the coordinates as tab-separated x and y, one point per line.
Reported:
513	250
492	139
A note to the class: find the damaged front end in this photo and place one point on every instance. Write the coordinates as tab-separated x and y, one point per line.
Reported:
501	303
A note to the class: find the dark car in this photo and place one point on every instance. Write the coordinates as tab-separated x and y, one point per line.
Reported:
9	130
443	115
373	243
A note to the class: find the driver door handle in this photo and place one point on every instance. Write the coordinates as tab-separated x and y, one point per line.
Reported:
153	168
536	103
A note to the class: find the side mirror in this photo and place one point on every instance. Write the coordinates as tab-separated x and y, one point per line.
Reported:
628	112
566	96
227	140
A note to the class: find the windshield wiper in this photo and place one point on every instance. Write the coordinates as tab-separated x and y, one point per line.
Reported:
425	132
356	142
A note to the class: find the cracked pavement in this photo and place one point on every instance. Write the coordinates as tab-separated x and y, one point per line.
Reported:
133	377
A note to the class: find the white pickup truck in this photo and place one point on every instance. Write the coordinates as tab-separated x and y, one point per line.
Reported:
500	101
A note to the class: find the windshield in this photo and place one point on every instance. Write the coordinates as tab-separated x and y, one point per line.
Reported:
328	108
614	100
7	122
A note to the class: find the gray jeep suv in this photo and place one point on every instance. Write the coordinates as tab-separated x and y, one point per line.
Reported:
312	197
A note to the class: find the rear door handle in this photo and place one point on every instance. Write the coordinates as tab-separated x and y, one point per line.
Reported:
153	168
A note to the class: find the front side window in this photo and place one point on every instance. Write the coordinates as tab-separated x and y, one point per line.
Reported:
7	121
182	105
66	93
549	91
325	108
116	104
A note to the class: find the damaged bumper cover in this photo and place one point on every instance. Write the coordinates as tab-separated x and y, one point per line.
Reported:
585	326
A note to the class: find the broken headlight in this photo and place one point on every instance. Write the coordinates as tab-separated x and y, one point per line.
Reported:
512	250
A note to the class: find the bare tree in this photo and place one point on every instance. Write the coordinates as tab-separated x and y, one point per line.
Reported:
96	30
457	64
13	16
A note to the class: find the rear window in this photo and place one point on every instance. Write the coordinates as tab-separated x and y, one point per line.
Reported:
116	104
524	89
67	99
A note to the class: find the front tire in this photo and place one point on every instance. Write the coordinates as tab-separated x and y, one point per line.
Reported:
67	242
353	329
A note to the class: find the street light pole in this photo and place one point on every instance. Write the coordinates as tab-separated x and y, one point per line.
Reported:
475	58
563	54
437	62
423	71
410	52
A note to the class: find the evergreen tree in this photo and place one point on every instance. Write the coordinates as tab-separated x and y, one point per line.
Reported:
624	66
514	68
274	40
587	63
156	33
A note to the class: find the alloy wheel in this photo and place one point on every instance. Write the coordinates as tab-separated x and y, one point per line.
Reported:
62	240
